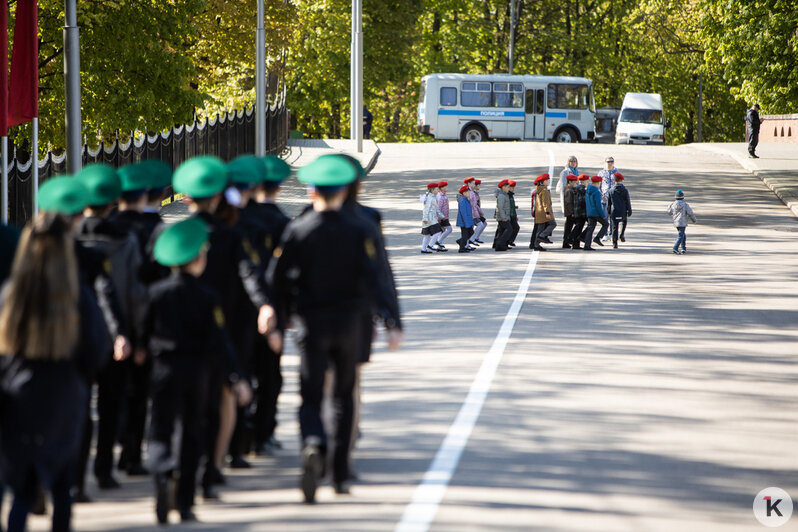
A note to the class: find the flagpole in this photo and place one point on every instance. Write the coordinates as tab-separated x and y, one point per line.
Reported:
34	159
72	86
260	84
5	180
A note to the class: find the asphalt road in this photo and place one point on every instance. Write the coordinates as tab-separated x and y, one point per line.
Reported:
636	390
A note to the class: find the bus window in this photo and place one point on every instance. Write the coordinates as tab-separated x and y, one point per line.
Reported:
508	95
566	96
448	96
475	94
539	102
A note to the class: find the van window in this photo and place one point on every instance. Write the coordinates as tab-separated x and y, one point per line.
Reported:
448	96
508	95
641	116
475	94
567	96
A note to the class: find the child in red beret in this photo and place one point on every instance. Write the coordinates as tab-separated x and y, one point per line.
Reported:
443	206
513	214
430	219
465	220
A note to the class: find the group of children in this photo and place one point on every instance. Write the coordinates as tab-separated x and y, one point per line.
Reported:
601	200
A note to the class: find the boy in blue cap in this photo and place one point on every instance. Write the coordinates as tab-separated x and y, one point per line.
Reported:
682	214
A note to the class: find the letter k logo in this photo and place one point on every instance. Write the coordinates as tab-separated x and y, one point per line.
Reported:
773	507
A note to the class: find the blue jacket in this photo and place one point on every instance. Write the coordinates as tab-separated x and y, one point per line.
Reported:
593	202
464	216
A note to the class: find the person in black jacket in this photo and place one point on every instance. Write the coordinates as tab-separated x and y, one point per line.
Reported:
184	328
754	123
325	273
51	341
568	210
620	207
580	212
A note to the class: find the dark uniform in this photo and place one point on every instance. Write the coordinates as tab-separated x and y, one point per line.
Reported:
620	207
752	117
579	214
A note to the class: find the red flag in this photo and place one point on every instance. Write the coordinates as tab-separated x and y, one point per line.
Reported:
4	68
23	98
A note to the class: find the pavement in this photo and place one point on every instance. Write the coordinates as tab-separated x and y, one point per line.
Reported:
777	166
632	390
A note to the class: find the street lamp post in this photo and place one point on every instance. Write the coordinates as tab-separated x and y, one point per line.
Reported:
72	87
260	85
511	54
356	75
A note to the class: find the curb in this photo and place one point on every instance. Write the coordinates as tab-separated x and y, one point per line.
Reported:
767	177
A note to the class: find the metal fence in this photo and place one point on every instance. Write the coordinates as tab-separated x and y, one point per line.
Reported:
225	136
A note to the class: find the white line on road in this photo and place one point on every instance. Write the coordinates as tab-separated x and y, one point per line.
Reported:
421	511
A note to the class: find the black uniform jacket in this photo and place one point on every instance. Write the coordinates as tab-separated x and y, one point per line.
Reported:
184	323
327	264
43	403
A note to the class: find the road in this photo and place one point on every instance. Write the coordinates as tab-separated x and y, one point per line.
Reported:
636	390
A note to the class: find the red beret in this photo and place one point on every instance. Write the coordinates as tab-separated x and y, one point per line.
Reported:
502	183
619	175
463	189
478	182
432	185
512	183
583	177
596	179
541	178
467	180
442	184
571	177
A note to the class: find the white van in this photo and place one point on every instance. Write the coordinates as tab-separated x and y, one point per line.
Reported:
641	120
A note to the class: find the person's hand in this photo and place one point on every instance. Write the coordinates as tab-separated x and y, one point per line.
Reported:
121	348
275	341
424	221
242	392
395	338
267	319
139	356
549	217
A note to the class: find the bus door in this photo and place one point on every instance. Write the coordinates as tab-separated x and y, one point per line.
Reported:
534	126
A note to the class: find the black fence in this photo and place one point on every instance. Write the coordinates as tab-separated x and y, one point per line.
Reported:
225	136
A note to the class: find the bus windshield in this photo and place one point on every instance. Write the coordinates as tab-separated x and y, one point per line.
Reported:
641	116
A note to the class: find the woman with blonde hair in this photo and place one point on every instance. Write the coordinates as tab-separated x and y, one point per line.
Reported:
51	333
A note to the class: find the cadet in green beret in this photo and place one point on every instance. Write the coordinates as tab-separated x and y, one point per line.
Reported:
266	362
325	271
121	250
143	184
232	274
184	328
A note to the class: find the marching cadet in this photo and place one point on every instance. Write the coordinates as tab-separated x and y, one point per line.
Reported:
544	212
232	275
326	271
184	327
393	324
142	187
121	250
52	339
595	214
620	207
513	214
266	361
568	210
504	231
580	212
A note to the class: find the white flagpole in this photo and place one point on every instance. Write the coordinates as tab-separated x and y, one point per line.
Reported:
5	180
34	160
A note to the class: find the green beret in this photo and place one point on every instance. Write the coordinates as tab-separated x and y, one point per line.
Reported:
328	171
201	177
150	173
361	172
277	170
246	170
102	182
63	195
181	243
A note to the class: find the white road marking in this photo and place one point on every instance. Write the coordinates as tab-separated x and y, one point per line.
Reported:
421	510
551	167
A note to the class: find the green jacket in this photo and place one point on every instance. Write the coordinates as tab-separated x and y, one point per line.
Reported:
513	212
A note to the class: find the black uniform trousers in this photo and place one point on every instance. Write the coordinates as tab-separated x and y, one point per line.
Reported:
516	228
576	230
329	339
569	227
615	228
110	394
465	235
544	231
753	141
266	365
591	225
136	399
503	234
179	391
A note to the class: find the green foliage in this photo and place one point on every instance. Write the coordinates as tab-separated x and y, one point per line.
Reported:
755	45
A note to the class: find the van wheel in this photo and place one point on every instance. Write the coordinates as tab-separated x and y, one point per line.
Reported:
473	133
566	134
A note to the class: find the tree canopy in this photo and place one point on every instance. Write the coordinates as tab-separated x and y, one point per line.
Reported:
151	64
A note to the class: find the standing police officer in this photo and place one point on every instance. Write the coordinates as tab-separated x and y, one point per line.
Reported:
754	122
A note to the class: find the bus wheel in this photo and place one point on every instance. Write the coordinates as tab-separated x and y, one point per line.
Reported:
566	134
473	133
